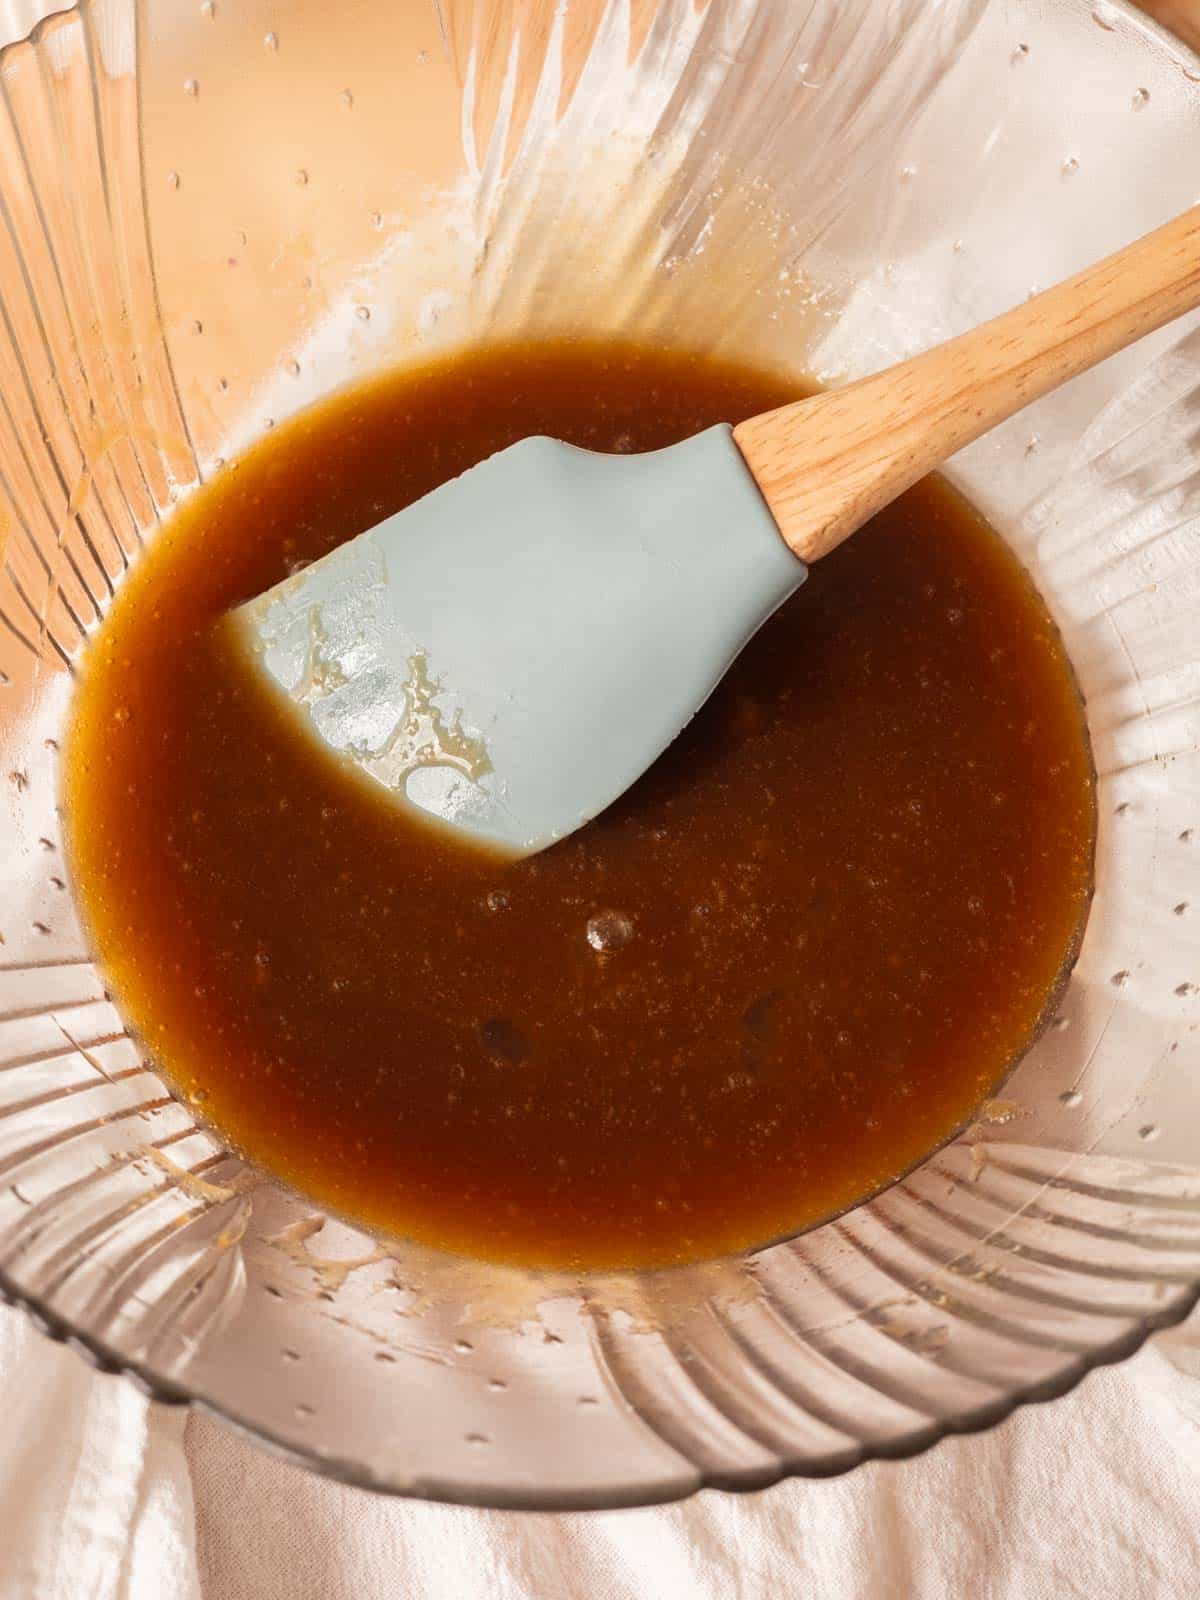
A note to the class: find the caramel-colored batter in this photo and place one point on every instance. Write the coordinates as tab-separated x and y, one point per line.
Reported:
782	969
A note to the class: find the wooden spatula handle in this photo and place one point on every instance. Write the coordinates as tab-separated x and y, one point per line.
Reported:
827	464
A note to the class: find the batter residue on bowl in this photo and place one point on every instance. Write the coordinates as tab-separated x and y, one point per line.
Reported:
788	964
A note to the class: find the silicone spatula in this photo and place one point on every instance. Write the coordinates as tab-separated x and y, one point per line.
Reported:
510	653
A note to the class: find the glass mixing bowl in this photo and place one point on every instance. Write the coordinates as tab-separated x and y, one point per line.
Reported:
211	215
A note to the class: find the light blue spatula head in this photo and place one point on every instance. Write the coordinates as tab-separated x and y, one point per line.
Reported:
513	651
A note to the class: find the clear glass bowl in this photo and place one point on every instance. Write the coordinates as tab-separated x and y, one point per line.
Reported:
210	215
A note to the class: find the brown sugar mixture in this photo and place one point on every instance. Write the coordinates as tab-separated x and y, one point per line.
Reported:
783	968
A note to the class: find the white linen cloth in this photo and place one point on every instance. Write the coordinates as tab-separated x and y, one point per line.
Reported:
104	1496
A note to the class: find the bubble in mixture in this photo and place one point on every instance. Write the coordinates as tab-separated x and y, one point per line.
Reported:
503	1040
609	930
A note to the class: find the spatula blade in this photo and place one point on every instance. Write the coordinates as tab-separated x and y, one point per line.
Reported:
510	653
